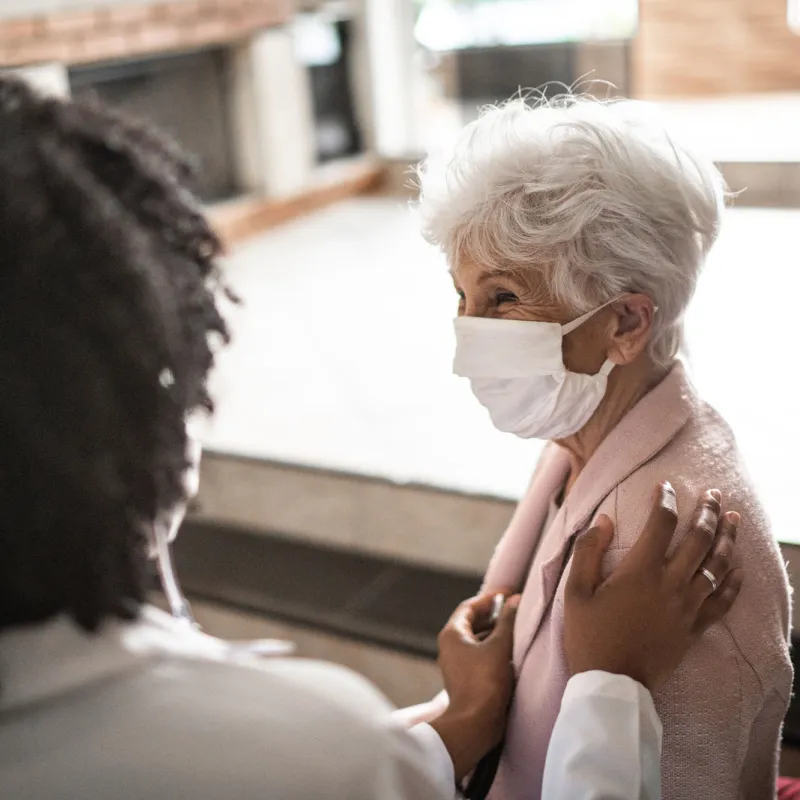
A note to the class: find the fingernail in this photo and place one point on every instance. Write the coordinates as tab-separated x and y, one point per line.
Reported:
733	517
716	494
513	602
604	520
666	486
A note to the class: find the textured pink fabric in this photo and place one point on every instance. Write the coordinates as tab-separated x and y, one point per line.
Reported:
723	710
788	789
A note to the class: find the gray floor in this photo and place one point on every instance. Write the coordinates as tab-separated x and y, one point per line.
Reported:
342	355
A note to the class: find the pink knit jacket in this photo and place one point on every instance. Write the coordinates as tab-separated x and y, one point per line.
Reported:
722	711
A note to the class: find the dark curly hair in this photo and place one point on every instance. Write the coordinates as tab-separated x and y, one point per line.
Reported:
108	298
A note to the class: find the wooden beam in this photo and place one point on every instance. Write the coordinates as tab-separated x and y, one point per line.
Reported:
238	220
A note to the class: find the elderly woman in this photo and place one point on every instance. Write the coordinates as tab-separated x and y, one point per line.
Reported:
576	232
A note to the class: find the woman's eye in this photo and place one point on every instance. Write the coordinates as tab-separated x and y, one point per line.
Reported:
505	297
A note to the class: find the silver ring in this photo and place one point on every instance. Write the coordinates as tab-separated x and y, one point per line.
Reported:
711	579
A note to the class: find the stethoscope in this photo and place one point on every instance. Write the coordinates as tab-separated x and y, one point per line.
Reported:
482	778
484	774
182	610
165	531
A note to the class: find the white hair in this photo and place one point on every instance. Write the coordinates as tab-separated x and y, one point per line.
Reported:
594	195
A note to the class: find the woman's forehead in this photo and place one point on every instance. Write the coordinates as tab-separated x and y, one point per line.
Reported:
477	274
467	268
530	285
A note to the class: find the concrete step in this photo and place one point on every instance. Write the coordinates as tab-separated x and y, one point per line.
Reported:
411	523
384	602
766	184
377	615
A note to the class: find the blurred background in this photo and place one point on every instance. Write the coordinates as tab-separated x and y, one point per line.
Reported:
352	489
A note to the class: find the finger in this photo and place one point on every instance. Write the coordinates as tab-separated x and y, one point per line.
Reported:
483	626
699	538
732	527
651	547
471	616
719	562
587	558
503	632
719	604
482	608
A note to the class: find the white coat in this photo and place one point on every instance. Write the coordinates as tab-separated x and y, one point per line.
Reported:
154	711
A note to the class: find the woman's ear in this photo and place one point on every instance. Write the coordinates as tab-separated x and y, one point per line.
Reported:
632	328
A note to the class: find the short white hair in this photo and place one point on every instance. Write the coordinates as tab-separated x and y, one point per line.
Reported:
594	195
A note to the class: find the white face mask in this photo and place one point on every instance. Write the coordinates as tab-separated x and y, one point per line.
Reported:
516	370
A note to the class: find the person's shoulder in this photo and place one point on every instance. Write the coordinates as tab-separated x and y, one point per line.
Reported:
204	659
281	727
316	687
336	685
704	455
189	720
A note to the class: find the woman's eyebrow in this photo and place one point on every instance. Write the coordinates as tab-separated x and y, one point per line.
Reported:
494	273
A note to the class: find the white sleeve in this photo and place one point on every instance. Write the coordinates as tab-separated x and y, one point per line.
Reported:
424	712
415	766
439	760
606	743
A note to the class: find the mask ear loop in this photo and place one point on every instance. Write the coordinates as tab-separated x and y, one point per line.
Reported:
576	323
608	365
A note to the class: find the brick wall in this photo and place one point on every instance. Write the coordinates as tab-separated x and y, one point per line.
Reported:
112	30
701	48
26	8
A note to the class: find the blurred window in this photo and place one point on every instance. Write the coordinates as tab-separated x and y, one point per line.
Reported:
444	25
323	45
793	15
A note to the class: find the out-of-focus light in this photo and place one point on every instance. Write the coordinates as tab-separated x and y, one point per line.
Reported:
445	25
47	79
793	15
316	41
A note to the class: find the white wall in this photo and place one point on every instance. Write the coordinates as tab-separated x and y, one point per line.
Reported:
273	115
361	77
389	26
27	8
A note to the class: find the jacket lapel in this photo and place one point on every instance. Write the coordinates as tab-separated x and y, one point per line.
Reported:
513	556
652	423
646	430
539	589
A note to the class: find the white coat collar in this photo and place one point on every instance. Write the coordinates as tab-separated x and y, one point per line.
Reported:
50	659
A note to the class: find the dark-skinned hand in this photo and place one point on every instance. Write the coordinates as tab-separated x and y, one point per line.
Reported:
643	619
